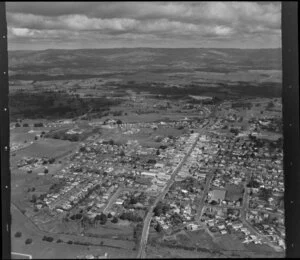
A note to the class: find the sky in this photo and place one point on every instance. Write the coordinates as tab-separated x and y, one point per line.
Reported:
77	25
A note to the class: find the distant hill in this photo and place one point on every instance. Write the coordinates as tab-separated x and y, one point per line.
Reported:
95	61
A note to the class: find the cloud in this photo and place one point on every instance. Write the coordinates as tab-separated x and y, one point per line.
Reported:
162	20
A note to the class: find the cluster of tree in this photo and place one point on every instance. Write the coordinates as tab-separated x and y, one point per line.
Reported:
38	124
134	200
55	104
234	131
151	161
48	239
253	184
265	194
62	135
161	208
115	220
76	216
176	219
102	218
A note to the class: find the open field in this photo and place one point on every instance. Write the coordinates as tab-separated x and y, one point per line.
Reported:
48	148
42	250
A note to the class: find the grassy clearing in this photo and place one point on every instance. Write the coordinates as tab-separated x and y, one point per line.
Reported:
49	148
45	250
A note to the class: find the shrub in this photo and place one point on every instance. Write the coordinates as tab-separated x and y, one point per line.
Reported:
18	234
115	220
59	241
38	125
28	241
70	242
46	170
50	239
158	228
17	125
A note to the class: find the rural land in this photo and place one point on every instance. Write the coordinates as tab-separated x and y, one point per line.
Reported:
146	153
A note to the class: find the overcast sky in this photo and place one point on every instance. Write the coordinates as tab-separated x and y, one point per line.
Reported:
68	25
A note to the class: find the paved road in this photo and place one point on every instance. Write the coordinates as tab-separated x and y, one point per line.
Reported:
201	205
263	238
145	232
112	199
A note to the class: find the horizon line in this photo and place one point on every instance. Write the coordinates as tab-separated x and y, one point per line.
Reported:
114	48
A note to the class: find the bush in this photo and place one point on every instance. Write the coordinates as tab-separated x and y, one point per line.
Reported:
18	234
28	241
50	239
115	220
25	125
33	198
46	170
59	241
158	227
70	242
38	125
17	125
52	160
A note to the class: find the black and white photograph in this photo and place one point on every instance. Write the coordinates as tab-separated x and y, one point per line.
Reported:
146	130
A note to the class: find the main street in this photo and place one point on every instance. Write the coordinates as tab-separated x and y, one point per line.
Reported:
145	232
205	191
147	221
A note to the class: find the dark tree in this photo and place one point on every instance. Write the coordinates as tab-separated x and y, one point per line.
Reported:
33	198
18	234
28	241
115	220
158	227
